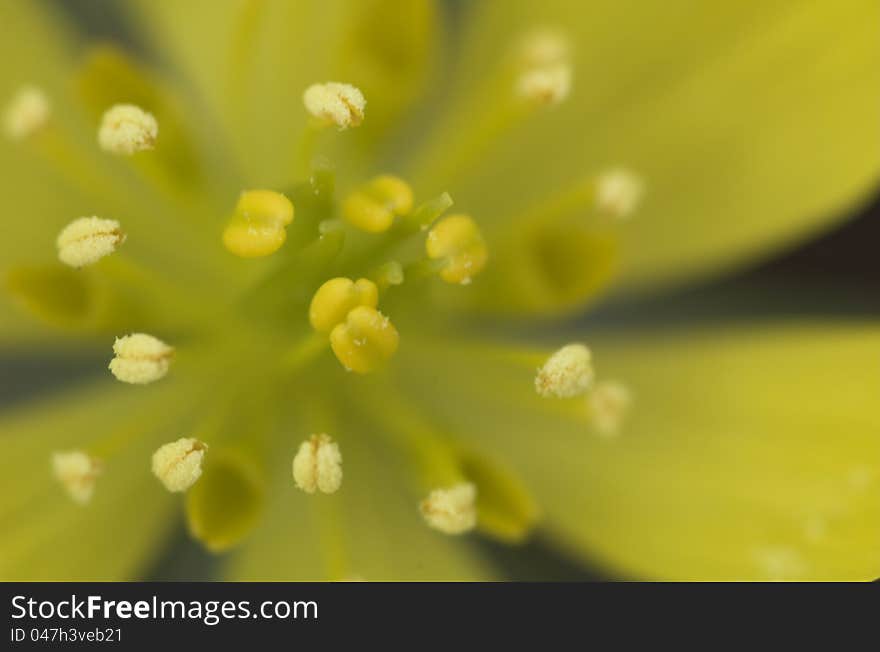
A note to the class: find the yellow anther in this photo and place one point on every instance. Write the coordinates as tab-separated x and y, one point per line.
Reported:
27	112
334	103
140	359
548	85
127	129
543	47
609	402
257	228
179	464
365	340
372	207
317	465
618	192
567	373
77	472
452	510
88	239
336	298
456	240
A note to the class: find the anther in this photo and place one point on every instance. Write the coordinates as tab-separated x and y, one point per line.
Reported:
547	85
335	103
257	227
27	112
543	47
456	240
365	340
179	464
451	510
609	403
336	298
127	129
77	472
88	239
372	207
317	465
618	192
567	373
140	359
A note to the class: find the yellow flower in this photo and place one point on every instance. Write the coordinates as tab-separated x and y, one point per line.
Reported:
590	150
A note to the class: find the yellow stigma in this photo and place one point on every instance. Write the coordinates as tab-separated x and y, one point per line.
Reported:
567	373
257	228
140	359
334	103
317	465
88	239
338	297
179	464
372	207
127	129
456	240
77	472
27	112
548	85
619	192
452	510
365	340
609	403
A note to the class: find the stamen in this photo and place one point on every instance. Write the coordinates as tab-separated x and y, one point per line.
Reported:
257	228
27	112
372	208
619	192
543	47
179	464
365	340
127	129
452	510
567	373
140	359
335	103
77	472
88	239
318	465
338	297
609	403
457	240
546	86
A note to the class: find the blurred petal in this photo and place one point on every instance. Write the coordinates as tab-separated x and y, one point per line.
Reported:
749	453
46	535
754	124
370	529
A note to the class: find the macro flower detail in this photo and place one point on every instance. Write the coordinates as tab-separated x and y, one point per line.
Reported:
609	402
457	244
258	225
127	129
27	112
140	359
451	510
77	472
566	373
178	464
337	104
88	239
317	465
609	175
619	192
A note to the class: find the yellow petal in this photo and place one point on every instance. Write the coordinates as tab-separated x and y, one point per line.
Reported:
749	123
370	529
749	453
46	536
